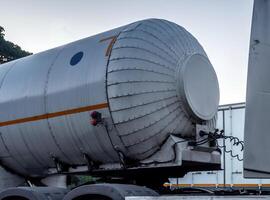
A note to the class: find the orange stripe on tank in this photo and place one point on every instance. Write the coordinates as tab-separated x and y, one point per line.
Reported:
109	48
54	114
107	38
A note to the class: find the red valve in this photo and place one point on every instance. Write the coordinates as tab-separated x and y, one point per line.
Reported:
94	114
96	118
94	122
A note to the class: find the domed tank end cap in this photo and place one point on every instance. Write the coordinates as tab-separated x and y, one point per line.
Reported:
198	87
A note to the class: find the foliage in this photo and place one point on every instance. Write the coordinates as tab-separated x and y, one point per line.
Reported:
77	180
8	50
2	32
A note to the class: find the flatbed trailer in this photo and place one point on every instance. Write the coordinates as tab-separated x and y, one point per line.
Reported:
188	197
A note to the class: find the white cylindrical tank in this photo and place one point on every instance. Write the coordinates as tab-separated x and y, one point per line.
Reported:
148	79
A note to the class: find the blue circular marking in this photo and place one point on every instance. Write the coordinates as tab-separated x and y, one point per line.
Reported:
76	58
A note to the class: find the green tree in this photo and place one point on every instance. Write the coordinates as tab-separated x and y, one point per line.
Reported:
8	50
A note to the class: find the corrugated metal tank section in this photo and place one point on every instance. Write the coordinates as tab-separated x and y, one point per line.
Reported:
148	79
150	64
231	118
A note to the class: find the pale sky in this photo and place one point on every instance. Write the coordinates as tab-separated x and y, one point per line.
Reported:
221	26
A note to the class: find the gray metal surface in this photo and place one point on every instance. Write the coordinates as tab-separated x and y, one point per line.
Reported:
257	120
132	75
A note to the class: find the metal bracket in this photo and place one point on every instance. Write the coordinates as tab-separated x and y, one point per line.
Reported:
60	165
91	165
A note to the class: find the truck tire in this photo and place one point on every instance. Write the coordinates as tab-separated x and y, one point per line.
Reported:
108	192
33	193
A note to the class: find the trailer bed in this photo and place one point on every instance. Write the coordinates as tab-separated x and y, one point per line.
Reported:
210	197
